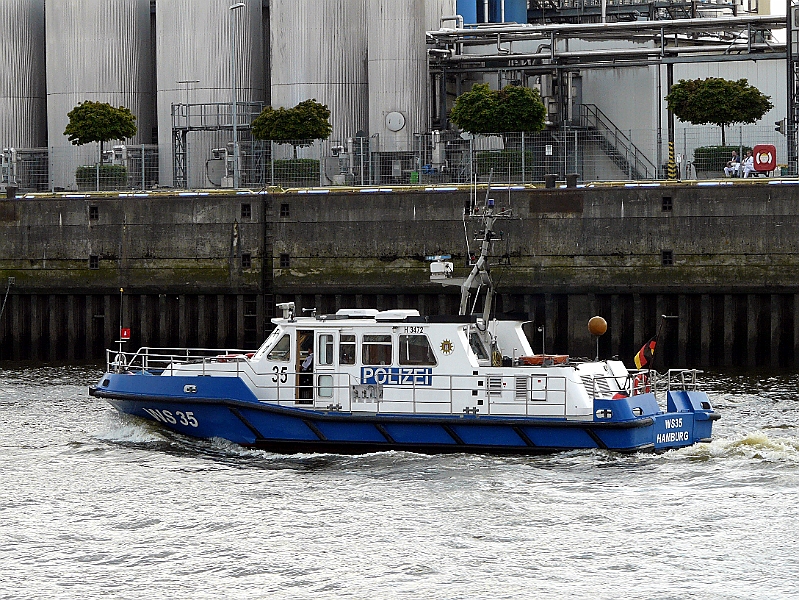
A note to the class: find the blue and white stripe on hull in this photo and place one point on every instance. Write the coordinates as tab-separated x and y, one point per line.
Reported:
290	429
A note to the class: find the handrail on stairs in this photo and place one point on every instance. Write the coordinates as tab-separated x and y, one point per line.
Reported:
638	164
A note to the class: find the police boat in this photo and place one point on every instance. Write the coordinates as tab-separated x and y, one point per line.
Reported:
364	380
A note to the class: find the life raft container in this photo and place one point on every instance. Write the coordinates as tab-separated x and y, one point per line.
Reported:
538	360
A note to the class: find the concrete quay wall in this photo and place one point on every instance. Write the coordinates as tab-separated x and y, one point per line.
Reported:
207	269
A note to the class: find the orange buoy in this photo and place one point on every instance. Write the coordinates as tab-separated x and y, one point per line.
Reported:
597	326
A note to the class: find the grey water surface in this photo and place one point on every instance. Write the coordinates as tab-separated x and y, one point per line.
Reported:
95	505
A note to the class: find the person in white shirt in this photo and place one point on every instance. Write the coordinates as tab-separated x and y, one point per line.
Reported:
749	164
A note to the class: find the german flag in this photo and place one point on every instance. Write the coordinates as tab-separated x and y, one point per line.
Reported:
646	353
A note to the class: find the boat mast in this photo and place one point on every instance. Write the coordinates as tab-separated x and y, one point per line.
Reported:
480	275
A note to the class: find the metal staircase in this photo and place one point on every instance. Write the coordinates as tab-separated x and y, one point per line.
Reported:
616	145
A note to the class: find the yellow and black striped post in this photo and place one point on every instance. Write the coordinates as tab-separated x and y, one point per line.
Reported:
672	170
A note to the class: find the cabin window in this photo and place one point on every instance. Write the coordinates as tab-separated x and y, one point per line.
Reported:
415	350
477	346
246	211
282	350
346	349
325	349
376	350
325	386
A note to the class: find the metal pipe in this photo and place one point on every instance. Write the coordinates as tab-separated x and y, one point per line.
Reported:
233	83
611	54
619	28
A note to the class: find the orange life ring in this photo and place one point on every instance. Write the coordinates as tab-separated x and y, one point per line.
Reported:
641	384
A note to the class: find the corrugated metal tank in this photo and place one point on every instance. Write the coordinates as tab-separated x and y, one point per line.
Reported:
23	112
398	68
100	51
319	50
193	43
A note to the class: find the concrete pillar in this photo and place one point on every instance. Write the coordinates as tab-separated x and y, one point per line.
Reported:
202	325
71	327
182	322
16	327
682	331
162	320
776	329
88	313
638	331
752	322
109	323
221	322
796	330
36	327
550	318
51	343
144	320
729	329
579	338
704	335
615	325
240	321
260	325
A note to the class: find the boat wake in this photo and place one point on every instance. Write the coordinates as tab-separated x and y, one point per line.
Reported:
755	446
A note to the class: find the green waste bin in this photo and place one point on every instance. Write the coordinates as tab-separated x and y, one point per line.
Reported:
414	176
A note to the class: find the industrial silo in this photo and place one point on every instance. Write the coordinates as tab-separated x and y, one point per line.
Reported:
398	89
23	116
319	50
435	9
194	43
100	51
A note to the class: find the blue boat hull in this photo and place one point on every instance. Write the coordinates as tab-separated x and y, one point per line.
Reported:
247	422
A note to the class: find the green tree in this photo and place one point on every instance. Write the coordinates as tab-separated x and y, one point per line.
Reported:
512	108
99	122
300	125
717	101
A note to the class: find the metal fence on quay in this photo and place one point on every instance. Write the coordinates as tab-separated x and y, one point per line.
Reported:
595	151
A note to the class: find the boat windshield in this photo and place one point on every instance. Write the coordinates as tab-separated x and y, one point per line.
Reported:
282	350
267	343
477	346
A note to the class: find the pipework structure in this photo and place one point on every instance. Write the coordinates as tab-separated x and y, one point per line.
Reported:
550	55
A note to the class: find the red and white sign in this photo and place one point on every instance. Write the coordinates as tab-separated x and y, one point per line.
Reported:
124	333
765	157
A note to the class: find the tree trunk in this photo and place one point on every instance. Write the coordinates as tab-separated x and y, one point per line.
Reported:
723	137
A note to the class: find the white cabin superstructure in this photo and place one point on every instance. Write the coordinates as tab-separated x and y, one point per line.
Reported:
398	362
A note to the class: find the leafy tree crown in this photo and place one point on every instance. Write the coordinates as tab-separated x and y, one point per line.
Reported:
717	101
99	122
512	108
309	120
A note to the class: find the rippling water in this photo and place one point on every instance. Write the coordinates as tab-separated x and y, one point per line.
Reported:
94	505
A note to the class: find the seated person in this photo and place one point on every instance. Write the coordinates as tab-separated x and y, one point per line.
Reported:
733	165
749	164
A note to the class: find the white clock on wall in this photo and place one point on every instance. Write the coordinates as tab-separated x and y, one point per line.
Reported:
395	121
